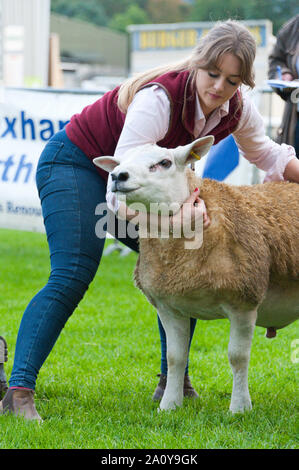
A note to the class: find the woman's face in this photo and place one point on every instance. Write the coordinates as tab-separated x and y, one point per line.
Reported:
218	84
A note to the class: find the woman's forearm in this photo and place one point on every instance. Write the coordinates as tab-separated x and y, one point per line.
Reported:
291	172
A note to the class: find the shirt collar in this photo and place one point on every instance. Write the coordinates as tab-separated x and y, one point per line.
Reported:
221	110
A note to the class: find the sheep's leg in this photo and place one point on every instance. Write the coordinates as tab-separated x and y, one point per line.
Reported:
177	330
241	332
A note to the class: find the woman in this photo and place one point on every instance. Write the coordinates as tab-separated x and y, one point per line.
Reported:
170	106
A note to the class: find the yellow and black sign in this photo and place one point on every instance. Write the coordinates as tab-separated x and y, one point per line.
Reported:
177	39
180	38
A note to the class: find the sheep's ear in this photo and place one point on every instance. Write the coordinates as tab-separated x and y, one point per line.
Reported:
106	163
193	152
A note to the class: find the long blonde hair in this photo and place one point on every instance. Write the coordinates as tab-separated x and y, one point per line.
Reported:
225	37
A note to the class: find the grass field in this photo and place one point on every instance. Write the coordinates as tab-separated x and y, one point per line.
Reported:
94	391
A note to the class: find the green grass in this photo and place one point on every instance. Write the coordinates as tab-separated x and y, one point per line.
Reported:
94	391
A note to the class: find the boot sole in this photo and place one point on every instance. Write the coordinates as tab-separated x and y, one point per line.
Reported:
3	350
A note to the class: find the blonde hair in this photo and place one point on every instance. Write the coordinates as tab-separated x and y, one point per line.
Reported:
225	37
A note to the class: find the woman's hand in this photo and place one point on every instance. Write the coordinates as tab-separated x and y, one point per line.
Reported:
287	77
191	215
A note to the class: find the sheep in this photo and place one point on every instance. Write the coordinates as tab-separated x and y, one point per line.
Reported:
246	269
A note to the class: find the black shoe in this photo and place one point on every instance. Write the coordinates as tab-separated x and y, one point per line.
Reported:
3	358
188	389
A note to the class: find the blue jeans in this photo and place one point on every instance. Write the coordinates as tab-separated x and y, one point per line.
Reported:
70	188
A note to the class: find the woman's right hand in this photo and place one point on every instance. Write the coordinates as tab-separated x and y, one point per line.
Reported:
193	210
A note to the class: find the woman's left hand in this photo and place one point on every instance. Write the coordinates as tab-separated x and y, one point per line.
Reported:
193	210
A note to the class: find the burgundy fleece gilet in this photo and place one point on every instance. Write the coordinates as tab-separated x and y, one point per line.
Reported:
97	128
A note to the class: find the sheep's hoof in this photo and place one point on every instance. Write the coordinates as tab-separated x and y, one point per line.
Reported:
170	406
160	410
241	406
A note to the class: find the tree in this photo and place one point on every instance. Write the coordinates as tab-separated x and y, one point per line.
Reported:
114	7
133	15
277	11
167	11
89	10
119	13
215	10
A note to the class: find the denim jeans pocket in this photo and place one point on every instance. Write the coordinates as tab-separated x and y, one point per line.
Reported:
47	158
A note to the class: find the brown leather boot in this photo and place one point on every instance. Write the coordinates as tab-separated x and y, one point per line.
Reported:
20	403
188	389
3	358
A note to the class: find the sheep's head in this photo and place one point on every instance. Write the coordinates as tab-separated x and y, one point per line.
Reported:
152	174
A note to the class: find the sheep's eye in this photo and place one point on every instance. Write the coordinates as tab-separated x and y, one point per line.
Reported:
165	163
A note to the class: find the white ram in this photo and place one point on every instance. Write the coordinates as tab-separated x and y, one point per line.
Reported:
246	269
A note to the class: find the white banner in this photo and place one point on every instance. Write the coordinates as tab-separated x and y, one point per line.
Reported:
28	119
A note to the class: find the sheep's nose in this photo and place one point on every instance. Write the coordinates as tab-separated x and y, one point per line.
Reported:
122	176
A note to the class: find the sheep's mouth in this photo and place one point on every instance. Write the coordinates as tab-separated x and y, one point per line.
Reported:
124	190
